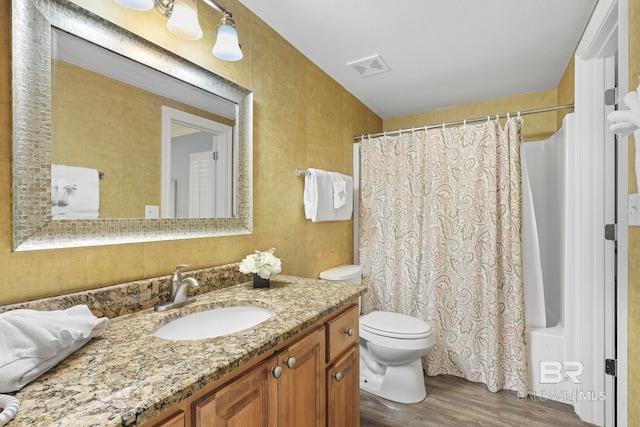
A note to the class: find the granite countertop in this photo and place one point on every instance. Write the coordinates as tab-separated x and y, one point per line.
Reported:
127	376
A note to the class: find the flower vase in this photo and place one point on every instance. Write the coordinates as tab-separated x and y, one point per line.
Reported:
259	282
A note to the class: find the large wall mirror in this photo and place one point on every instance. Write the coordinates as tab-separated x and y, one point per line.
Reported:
116	140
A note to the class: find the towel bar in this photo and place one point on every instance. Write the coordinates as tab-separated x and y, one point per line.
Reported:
300	172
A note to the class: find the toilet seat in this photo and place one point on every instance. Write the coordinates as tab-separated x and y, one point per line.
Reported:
395	325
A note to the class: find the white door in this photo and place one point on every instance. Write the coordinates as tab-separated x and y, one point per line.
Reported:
176	165
601	275
201	185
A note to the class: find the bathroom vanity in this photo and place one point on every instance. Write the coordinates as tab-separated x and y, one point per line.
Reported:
310	380
300	367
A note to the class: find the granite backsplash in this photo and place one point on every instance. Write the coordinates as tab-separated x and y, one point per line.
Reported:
118	300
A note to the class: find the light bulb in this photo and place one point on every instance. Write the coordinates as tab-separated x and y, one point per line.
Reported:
184	20
227	46
136	4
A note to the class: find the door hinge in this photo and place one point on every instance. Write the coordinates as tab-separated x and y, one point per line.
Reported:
215	155
611	232
611	367
611	96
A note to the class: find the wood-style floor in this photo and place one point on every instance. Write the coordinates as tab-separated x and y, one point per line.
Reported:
453	401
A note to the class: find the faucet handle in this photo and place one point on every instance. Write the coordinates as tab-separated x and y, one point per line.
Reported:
179	266
177	274
176	278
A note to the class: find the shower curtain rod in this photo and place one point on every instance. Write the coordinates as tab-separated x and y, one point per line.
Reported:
464	122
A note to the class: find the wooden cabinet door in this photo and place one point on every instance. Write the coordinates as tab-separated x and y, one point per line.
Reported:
302	384
249	401
175	420
343	390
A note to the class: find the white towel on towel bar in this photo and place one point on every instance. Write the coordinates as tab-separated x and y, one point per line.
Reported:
339	189
75	192
342	196
319	200
318	195
32	342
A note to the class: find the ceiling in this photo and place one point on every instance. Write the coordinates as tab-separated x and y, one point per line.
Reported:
441	53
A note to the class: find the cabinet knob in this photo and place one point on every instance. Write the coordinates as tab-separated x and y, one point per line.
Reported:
290	362
349	331
337	376
276	371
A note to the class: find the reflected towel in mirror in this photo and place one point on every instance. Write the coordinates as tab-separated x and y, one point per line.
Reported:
75	192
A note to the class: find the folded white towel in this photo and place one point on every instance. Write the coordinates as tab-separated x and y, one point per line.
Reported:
75	192
318	196
345	210
32	342
339	190
61	188
626	121
323	191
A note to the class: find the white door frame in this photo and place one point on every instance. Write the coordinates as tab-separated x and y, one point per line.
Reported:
606	34
223	135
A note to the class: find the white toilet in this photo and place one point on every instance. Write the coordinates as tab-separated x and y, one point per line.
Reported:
391	347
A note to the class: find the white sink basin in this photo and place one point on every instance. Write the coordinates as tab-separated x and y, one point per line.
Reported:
213	323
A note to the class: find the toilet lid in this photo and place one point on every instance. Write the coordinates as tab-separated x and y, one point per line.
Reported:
395	325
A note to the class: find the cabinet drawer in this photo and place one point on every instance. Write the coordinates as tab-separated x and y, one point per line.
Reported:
342	332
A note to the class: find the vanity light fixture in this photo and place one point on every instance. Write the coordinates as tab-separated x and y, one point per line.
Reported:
227	46
136	4
183	22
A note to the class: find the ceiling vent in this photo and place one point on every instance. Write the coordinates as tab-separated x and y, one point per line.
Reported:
369	66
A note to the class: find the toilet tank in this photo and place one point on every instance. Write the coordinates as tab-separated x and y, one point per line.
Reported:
348	273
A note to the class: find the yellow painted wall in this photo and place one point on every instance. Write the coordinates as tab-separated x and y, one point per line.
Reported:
634	232
566	90
108	125
536	126
302	118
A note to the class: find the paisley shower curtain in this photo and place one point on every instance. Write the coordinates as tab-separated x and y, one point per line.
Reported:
440	220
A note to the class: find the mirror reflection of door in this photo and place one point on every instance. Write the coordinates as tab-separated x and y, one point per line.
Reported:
197	167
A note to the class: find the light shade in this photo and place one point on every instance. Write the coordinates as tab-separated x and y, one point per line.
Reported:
136	4
227	46
184	20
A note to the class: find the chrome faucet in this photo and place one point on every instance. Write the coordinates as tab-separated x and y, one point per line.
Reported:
179	285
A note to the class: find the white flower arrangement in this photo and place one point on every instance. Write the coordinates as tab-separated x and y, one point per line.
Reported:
264	264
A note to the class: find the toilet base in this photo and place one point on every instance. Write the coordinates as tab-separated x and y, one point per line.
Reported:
403	384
